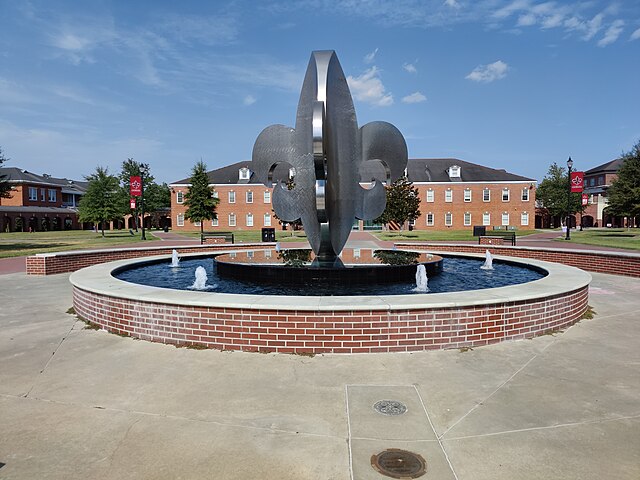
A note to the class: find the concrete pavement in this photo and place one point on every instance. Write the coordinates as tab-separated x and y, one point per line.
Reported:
77	403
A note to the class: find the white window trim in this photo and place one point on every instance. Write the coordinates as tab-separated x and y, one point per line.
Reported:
503	219
508	192
232	196
467	215
448	195
33	197
249	193
248	219
232	216
180	220
487	191
467	193
525	190
450	223
215	222
430	224
430	196
179	197
523	216
266	196
266	220
486	219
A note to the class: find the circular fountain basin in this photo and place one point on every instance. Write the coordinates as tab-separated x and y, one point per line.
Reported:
337	324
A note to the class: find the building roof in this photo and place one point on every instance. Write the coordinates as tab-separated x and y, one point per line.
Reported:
437	170
418	170
611	166
18	175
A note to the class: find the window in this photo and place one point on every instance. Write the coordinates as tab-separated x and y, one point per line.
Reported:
43	194
214	222
249	220
467	219
467	195
180	220
486	218
232	197
448	195
215	194
179	197
267	253
454	171
267	220
52	195
430	195
505	194
448	219
244	173
429	219
250	254
592	182
486	195
33	193
525	194
524	218
267	196
505	218
232	219
197	224
249	196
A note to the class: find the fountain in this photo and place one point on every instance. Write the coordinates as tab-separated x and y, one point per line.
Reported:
421	279
488	263
175	259
328	172
200	282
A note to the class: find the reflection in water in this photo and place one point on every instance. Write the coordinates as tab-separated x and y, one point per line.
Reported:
294	257
396	257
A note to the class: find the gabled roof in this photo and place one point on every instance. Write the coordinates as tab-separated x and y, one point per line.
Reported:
418	170
612	166
437	170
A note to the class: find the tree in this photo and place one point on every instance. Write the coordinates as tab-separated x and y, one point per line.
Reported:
199	199
100	202
403	203
553	193
131	168
5	186
624	193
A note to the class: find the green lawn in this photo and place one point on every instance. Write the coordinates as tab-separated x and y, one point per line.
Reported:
16	244
607	237
436	235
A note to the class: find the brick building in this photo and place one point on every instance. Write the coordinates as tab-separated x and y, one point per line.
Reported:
39	202
454	194
597	181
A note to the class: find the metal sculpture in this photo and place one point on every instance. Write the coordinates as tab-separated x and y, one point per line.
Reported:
336	170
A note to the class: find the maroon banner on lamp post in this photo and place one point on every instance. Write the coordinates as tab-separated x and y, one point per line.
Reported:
585	199
577	182
132	204
135	186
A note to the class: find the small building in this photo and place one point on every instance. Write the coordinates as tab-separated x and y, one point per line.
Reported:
597	181
454	194
39	202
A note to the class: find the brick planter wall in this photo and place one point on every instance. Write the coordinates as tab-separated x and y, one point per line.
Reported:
64	262
330	331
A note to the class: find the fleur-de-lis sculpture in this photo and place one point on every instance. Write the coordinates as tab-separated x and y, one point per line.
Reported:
336	169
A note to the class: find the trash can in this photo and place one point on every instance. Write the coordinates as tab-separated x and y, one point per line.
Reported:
166	229
479	231
268	234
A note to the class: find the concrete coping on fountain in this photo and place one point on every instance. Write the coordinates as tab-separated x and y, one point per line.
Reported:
559	280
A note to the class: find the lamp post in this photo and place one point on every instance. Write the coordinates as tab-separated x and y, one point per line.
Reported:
568	223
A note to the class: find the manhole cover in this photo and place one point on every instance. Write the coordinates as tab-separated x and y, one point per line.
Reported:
396	463
390	407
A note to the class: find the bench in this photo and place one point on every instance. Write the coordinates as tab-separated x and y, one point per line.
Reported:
216	237
497	237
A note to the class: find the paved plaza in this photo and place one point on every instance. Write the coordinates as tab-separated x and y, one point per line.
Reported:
77	403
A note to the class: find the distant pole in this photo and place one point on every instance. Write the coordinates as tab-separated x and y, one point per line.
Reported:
143	237
569	165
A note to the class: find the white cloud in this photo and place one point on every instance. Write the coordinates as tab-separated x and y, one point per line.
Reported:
249	100
410	67
612	33
513	7
370	57
452	3
635	35
489	73
415	97
369	88
526	20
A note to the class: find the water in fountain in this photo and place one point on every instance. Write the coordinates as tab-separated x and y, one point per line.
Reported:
421	279
200	282
488	263
175	258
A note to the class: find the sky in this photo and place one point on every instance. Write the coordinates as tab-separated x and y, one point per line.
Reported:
512	84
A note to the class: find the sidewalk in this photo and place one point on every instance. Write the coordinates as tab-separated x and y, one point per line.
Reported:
83	404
